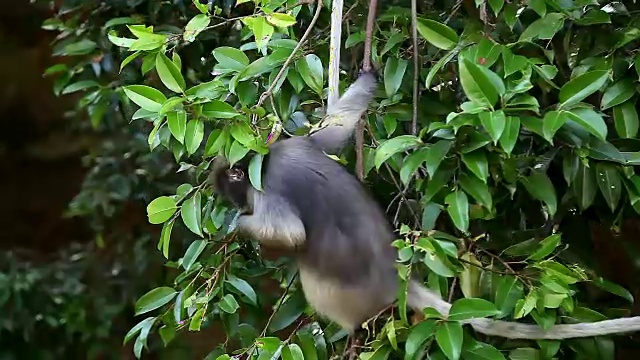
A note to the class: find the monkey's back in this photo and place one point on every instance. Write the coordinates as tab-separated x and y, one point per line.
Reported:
348	235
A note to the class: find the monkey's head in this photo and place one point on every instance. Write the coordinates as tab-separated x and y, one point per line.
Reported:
232	182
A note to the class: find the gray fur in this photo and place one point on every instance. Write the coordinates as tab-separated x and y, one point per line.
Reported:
341	235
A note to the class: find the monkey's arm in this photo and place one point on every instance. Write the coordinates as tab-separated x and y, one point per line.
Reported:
419	297
273	222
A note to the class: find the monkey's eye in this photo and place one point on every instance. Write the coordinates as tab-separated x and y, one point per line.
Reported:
235	174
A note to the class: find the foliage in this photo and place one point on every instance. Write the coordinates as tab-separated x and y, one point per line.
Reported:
527	116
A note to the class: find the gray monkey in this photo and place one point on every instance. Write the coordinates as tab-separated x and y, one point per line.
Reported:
341	236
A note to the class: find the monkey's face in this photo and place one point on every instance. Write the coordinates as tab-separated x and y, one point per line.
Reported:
234	185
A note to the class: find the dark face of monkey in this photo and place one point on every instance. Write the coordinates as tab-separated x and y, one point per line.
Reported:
233	184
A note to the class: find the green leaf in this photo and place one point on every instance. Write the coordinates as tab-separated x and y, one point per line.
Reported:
237	152
288	312
449	336
255	171
437	152
281	20
191	213
584	186
458	209
154	299
146	97
509	291
394	71
262	30
419	334
541	188
478	189
194	134
496	6
161	209
292	352
512	63
80	85
231	58
393	146
476	161
437	34
216	109
610	183
216	141
412	163
590	121
469	308
544	28
552	122
435	258
494	122
613	288
243	287
510	134
195	27
479	84
311	70
144	324
578	88
546	247
193	252
165	237
482	351
177	121
625	118
228	304
618	93
169	73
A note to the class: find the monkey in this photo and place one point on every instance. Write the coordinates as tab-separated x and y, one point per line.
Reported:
340	234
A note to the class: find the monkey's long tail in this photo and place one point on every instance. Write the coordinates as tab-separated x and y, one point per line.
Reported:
341	119
419	297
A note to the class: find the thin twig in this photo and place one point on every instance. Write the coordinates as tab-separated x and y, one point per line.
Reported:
284	67
334	51
416	66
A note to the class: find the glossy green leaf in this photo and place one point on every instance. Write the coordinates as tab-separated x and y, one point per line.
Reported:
165	237
590	121
435	258
217	109
552	122
237	152
419	334
618	93
281	20
478	189
195	27
510	134
169	73
292	352
191	213
177	121
193	252
231	58
412	163
458	209
436	153
578	88
228	304
544	28
449	336
394	71
243	287
437	34
469	308
476	161
255	171
625	118
546	247
194	134
540	187
146	97
494	122
154	299
584	186
481	351
610	183
509	291
480	84
161	209
393	146
311	70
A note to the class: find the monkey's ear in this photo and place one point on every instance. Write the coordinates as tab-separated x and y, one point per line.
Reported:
235	174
